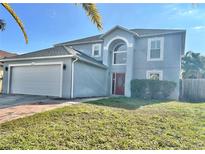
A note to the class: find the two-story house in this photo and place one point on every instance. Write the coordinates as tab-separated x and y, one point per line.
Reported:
100	65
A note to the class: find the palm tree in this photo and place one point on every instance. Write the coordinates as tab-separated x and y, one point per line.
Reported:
10	10
93	13
90	9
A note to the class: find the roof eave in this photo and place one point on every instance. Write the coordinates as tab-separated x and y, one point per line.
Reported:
77	43
167	33
93	63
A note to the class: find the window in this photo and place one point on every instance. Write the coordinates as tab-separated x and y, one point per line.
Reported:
120	54
155	49
154	75
96	50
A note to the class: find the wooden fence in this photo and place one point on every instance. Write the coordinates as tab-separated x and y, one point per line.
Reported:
193	89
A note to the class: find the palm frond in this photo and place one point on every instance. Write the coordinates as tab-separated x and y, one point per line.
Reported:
93	13
17	19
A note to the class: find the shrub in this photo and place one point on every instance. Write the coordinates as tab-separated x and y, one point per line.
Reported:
151	89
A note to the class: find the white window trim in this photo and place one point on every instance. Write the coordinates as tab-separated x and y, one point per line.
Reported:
154	71
113	57
113	52
93	47
161	39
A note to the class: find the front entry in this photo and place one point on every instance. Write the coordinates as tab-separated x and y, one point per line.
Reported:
118	83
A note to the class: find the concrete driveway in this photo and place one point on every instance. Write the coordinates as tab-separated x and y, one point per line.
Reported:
14	100
18	106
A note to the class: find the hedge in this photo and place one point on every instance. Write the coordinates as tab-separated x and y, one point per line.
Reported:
151	89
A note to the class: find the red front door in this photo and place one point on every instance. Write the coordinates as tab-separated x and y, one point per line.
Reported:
118	83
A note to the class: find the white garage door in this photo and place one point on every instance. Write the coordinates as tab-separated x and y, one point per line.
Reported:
36	80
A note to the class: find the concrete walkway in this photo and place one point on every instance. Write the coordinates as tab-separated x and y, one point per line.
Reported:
23	110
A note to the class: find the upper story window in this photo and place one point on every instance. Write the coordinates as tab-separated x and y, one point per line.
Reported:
120	54
154	75
155	49
96	50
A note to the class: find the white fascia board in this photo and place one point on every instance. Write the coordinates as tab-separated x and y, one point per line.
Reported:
150	35
33	58
93	63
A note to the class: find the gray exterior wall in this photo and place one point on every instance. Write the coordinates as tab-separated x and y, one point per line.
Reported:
170	65
66	73
89	80
87	49
137	64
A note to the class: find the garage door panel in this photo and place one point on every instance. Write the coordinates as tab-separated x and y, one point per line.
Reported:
36	80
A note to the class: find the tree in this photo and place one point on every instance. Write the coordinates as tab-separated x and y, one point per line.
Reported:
2	25
90	9
192	65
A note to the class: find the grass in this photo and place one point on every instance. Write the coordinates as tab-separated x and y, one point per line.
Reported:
124	102
157	125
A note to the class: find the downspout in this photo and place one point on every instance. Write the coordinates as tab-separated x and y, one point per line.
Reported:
72	77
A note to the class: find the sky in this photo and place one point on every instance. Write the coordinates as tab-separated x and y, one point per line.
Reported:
49	24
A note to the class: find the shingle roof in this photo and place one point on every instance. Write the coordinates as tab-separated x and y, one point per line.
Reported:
6	54
86	39
140	32
82	55
143	32
55	51
61	50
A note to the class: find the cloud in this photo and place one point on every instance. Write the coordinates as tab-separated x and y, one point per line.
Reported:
198	27
182	10
186	12
52	14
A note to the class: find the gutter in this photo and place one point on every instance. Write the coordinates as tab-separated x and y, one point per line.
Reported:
157	34
33	58
72	76
93	63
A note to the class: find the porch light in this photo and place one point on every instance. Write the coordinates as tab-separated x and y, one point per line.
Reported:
64	66
6	68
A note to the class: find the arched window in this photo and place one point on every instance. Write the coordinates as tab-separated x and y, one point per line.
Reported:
120	54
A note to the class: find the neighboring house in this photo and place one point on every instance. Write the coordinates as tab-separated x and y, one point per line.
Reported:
100	65
3	54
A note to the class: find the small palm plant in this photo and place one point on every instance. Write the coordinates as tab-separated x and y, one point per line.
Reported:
90	9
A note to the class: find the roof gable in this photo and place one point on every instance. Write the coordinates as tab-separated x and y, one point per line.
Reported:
119	27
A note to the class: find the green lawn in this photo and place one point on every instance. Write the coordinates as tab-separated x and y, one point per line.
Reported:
117	123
